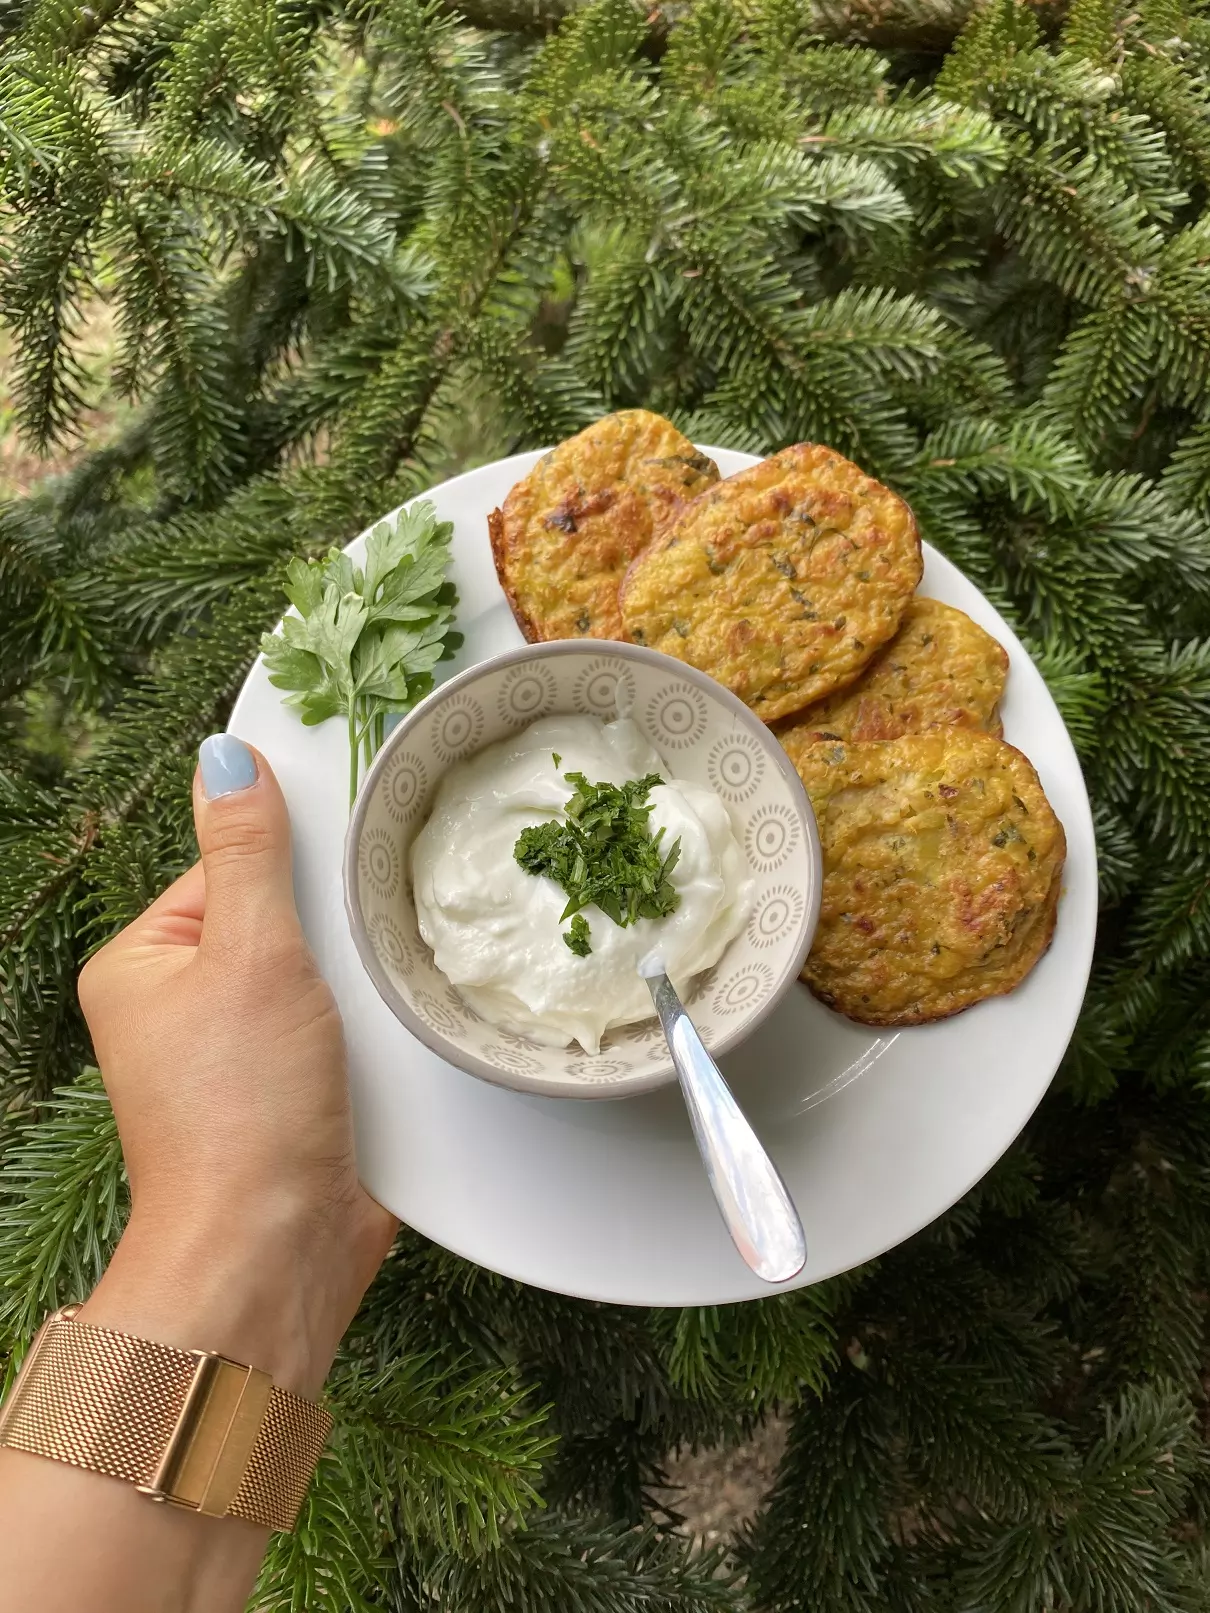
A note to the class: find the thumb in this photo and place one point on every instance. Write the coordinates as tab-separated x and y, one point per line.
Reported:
243	830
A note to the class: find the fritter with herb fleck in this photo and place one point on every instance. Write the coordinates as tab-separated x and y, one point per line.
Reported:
941	670
942	868
568	531
780	582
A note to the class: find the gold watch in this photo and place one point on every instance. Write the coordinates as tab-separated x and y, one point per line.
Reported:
183	1426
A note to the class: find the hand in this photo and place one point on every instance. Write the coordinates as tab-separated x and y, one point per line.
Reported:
222	1052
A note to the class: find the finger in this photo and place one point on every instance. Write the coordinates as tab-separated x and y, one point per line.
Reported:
173	919
243	830
161	941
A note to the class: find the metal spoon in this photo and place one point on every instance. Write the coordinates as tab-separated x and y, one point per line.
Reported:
755	1204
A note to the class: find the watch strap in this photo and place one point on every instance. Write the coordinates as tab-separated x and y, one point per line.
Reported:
183	1426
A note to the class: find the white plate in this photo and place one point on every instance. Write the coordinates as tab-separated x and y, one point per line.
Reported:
876	1134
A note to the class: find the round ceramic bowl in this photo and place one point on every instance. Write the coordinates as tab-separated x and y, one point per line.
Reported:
702	733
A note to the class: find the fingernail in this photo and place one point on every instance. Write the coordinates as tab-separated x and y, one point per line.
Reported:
227	766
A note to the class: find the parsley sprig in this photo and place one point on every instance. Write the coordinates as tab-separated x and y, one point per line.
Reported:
366	638
603	851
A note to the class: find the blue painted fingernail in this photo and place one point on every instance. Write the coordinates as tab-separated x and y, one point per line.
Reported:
227	765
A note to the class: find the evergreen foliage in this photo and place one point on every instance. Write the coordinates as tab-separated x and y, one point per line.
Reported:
355	245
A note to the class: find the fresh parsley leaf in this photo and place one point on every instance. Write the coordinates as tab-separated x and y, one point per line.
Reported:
579	937
366	639
602	851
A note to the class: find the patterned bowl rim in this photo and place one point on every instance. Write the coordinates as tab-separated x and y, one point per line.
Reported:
627	1086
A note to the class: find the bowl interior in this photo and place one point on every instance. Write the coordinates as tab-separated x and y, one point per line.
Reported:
703	734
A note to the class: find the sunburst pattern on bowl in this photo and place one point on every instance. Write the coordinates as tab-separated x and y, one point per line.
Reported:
704	734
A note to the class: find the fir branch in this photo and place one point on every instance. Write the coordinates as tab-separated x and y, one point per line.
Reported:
959	142
1100	377
172	333
458	1456
1097	1547
1076	224
62	1208
177	570
1090	30
1078	690
555	1567
333	1560
968	1439
1031	462
1119	857
622	320
758	1355
44	613
823	1539
1178	104
1187	476
45	850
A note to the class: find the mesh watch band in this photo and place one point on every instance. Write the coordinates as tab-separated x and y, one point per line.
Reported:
183	1426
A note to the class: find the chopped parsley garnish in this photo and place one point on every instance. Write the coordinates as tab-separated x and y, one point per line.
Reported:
603	851
555	757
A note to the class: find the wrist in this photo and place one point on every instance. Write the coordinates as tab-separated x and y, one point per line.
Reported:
236	1286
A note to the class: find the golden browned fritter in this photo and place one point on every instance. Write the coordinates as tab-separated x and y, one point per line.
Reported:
941	670
780	582
569	530
942	869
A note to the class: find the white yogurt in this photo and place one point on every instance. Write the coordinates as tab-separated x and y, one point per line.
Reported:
495	930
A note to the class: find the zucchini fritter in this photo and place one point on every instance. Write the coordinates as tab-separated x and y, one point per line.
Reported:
941	670
568	531
942	869
780	582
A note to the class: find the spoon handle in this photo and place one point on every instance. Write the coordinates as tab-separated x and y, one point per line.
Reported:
758	1211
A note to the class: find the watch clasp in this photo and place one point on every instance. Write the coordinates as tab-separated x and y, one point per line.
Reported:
207	1452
